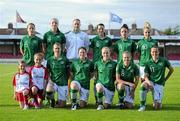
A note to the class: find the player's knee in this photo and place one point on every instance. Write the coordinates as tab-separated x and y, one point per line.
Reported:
74	86
120	86
25	92
34	90
99	87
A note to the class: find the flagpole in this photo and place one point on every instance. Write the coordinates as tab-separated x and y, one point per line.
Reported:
16	23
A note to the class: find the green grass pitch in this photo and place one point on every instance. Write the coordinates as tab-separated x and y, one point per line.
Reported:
9	108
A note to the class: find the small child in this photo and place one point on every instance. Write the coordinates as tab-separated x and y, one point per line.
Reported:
21	83
39	77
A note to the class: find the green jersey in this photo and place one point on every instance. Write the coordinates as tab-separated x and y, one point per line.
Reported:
97	44
124	45
106	73
82	72
127	73
50	38
58	69
156	70
30	46
144	48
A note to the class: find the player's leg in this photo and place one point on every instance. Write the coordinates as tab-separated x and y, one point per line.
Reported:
84	96
121	89
143	93
100	91
62	96
158	95
109	95
50	93
73	92
129	98
26	95
34	91
141	70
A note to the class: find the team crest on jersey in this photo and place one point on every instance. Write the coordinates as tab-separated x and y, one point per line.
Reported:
110	65
62	62
86	65
122	72
144	47
160	64
49	39
97	44
106	41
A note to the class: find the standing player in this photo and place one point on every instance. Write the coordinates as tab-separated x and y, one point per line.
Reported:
127	77
105	77
144	48
97	43
39	78
155	79
21	83
30	45
124	44
82	70
57	66
52	36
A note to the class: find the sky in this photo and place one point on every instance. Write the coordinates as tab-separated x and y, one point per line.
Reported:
160	13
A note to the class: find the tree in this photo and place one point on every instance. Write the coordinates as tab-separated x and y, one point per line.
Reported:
172	31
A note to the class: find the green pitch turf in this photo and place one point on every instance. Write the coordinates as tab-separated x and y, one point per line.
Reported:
9	108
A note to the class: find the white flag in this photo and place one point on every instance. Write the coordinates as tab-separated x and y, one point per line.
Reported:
115	18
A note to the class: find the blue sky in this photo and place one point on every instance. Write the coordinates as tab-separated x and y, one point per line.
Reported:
160	13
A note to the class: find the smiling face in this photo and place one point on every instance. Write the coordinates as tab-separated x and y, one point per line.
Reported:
154	53
105	53
82	54
101	30
37	59
147	33
126	58
21	67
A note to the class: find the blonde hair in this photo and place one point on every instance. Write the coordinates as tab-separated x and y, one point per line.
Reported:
147	25
38	55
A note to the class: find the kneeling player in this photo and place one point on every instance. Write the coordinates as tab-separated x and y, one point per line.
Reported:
155	79
105	77
81	69
127	77
39	77
57	66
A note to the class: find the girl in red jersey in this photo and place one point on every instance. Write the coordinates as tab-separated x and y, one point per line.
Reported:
21	83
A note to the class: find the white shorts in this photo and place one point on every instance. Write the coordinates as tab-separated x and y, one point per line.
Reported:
157	92
128	98
107	94
84	93
62	92
141	71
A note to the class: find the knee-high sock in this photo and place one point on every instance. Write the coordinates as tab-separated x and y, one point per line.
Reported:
143	93
74	95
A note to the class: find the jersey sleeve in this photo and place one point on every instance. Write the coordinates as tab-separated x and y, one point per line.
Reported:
22	44
45	38
167	63
117	69
147	70
91	43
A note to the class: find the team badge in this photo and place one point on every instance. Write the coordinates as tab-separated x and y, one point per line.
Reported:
97	44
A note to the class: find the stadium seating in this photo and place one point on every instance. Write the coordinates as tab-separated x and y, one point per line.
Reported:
174	56
9	56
